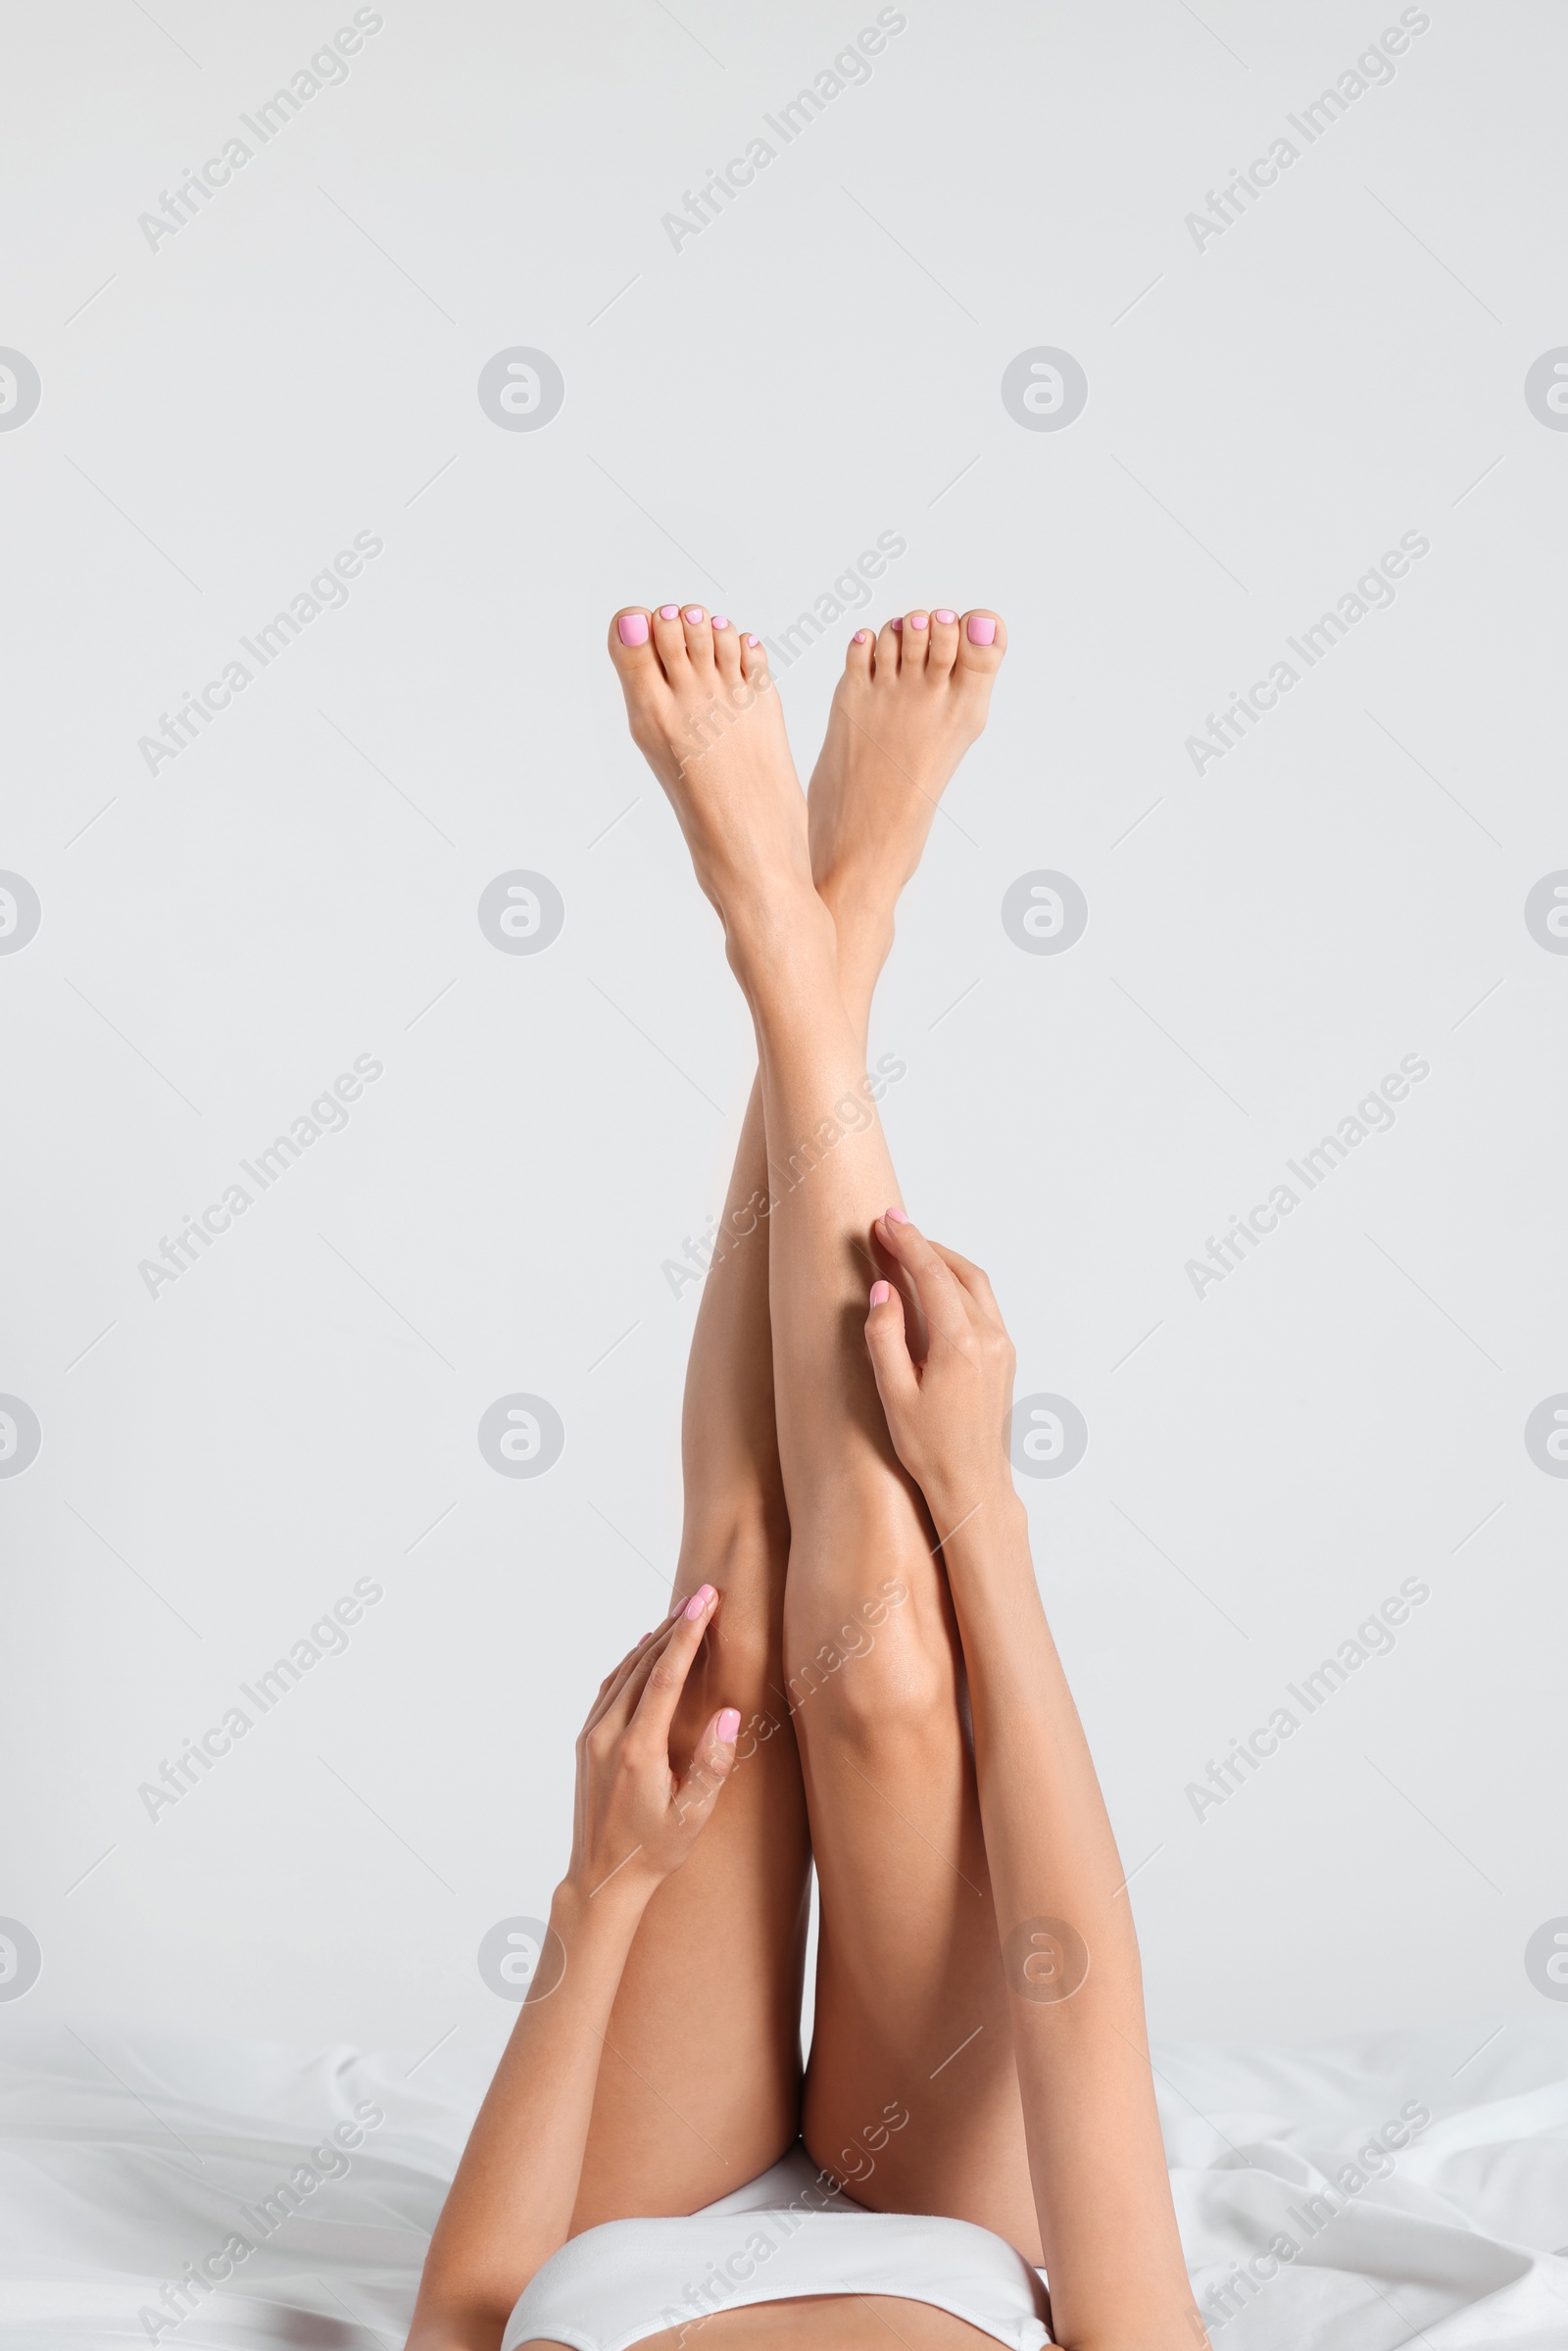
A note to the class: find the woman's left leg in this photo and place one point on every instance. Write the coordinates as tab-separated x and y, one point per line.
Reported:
699	2085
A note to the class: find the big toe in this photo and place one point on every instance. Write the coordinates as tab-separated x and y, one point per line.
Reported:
982	641
632	648
630	635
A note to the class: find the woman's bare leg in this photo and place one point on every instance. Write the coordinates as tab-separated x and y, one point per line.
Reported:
700	2085
911	2095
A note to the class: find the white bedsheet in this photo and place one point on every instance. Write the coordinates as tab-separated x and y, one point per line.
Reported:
128	2157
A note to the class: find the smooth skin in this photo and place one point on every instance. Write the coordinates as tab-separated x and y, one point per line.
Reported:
662	2069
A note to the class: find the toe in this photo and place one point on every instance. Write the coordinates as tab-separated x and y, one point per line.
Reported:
669	637
753	660
916	637
726	649
630	645
858	659
982	641
699	636
944	643
887	649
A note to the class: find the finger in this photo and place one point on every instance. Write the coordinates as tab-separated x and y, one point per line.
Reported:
897	1382
621	1700
612	1683
616	1681
665	1676
713	1761
943	1301
974	1281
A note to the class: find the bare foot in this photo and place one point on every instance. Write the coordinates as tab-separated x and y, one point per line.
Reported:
905	711
705	716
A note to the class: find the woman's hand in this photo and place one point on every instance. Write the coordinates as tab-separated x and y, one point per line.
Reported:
634	1821
512	2202
948	1415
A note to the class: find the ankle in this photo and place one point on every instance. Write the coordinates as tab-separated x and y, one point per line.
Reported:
783	940
863	922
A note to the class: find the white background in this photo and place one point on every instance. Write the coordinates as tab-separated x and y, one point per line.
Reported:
742	415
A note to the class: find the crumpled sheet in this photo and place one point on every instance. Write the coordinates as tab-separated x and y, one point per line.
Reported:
129	2159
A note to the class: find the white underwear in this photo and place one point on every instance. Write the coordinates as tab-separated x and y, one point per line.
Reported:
784	2236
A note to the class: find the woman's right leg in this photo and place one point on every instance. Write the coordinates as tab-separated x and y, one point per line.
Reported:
911	2095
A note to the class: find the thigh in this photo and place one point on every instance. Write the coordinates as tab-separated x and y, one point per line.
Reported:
700	2076
911	2096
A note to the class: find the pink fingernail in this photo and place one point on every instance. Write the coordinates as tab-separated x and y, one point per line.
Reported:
754	642
895	624
670	611
698	1600
982	629
895	1216
860	636
694	614
946	618
919	619
880	1294
633	628
728	1726
720	620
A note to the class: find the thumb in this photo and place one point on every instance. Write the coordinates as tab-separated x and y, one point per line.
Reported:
895	1381
713	1761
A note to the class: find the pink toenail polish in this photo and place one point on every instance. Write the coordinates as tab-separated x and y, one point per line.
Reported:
919	619
728	1726
860	636
881	1291
982	629
754	641
895	624
694	614
720	620
946	618
698	1601
633	628
895	1216
670	611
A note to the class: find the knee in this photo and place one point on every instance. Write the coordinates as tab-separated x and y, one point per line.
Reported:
880	1669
